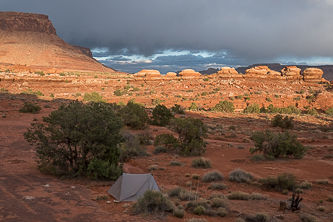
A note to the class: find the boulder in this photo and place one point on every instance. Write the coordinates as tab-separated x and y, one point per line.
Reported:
171	74
258	70
189	73
227	70
312	75
148	73
291	71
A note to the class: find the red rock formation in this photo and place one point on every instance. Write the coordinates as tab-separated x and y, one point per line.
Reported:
262	72
291	73
171	74
148	73
312	75
189	73
30	40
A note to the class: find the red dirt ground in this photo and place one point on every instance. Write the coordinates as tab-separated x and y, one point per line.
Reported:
28	195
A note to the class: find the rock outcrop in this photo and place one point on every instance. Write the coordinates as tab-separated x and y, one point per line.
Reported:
148	73
189	73
291	73
312	75
171	74
262	72
31	40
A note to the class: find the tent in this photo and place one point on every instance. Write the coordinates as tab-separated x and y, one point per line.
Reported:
130	187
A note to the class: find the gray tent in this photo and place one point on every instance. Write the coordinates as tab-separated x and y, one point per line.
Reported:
130	187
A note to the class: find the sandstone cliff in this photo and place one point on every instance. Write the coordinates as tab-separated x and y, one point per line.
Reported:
31	40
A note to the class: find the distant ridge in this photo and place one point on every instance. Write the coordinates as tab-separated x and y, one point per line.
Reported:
327	69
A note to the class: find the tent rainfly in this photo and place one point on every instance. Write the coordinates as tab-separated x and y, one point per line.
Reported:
130	187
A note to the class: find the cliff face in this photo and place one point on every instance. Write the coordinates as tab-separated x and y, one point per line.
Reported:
31	40
16	21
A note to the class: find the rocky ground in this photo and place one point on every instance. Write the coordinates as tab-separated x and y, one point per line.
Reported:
28	195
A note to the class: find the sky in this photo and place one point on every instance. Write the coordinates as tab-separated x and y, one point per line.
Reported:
172	35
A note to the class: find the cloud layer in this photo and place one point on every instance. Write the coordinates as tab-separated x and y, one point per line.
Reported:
251	31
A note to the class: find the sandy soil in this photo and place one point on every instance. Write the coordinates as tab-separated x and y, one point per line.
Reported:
28	195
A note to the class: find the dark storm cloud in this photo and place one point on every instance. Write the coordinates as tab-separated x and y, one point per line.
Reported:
250	30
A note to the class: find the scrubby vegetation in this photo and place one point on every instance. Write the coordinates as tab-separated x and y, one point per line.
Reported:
167	140
201	163
30	108
161	116
177	109
239	175
190	133
31	92
153	202
283	110
93	97
78	139
274	145
253	108
284	123
134	115
193	107
212	176
224	106
131	147
285	181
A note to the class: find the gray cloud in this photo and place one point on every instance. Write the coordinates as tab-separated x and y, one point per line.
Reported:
251	31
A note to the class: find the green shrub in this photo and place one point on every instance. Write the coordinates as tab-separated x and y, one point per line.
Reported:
253	108
195	176
190	133
285	181
284	123
152	202
134	115
187	195
78	139
329	111
175	192
297	98
93	97
219	202
201	163
283	110
238	195
239	97
258	196
179	213
118	92
176	109
30	108
3	90
239	175
212	176
312	112
204	94
322	181
167	140
308	218
274	145
175	163
305	185
205	79
199	210
258	158
30	92
130	147
217	186
161	116
258	217
224	106
193	107
268	99
160	149
135	89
